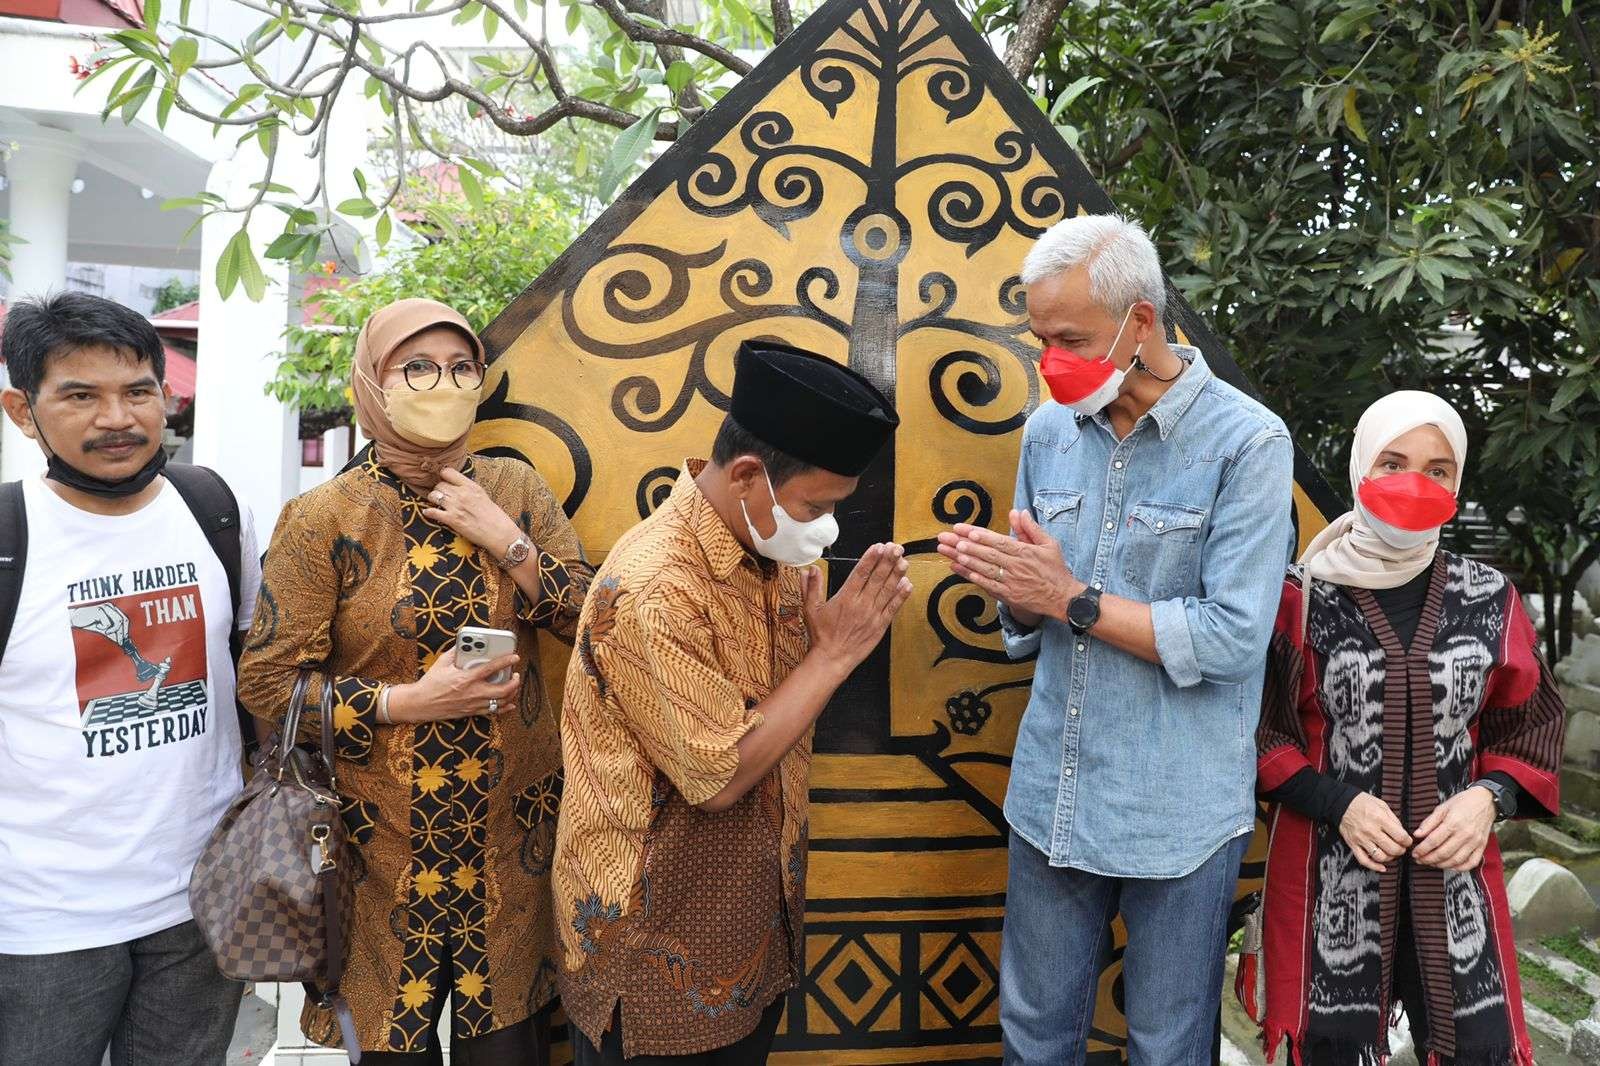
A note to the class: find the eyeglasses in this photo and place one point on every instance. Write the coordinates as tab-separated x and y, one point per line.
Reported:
424	374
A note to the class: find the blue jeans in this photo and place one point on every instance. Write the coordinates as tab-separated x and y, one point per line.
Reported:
1057	941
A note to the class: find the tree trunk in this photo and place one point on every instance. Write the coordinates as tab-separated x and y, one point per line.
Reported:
1586	557
1032	34
1547	590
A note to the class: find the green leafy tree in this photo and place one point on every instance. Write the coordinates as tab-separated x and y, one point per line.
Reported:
174	292
1366	196
649	69
484	258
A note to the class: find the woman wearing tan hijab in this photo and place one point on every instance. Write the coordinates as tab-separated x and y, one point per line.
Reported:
449	781
1406	710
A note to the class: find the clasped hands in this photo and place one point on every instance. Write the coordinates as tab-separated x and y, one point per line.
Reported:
1025	571
1451	838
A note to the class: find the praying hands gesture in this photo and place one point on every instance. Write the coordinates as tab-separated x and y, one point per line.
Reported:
1026	572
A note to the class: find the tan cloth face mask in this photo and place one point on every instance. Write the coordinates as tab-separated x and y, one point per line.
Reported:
433	419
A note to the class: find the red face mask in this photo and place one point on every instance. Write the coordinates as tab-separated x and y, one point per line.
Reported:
1085	385
1409	501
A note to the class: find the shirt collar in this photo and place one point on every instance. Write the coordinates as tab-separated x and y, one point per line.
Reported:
1177	400
722	549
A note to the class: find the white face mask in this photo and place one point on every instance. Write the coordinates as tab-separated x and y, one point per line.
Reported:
1394	536
792	543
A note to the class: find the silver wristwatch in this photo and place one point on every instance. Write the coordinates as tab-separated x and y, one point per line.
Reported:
518	553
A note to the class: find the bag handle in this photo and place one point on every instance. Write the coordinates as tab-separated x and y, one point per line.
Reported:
326	708
333	918
291	719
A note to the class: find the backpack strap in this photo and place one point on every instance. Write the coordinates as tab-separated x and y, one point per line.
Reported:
13	555
216	511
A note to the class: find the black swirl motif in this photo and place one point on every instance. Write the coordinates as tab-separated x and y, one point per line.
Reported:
715	188
1013	296
956	92
954	600
636	401
654	488
634	286
352	565
978	384
962	212
498	406
827	76
963	501
828	281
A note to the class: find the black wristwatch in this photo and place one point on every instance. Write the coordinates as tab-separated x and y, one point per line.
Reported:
1083	610
1505	805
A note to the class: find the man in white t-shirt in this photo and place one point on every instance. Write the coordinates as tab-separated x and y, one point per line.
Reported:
119	737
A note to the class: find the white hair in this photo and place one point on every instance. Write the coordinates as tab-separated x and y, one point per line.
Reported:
1122	263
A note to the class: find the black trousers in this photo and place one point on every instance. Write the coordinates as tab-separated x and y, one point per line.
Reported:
751	1051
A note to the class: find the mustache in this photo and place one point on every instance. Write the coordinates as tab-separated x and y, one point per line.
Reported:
115	440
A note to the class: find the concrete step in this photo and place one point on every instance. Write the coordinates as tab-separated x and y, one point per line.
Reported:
1513	860
1586	824
1550	841
1566	969
1580	788
1558	1033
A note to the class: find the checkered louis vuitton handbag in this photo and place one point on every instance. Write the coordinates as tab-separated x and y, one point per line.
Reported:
268	892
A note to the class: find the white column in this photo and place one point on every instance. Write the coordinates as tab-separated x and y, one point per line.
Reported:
39	176
247	436
335	451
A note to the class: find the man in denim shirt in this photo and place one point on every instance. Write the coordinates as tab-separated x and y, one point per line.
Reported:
1151	530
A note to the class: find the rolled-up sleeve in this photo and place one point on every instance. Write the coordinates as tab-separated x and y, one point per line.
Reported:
659	664
1221	635
1022	642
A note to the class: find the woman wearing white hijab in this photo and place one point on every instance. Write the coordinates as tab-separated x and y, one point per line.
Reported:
1406	710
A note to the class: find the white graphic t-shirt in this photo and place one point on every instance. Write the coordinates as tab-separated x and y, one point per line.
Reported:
119	739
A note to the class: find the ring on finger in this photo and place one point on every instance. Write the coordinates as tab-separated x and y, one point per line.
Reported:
1375	851
494	706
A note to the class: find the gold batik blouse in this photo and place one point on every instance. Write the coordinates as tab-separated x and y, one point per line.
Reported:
691	919
453	822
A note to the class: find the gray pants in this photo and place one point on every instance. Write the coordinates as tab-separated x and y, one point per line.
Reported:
155	1000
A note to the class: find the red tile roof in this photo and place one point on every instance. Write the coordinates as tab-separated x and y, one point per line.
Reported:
189	312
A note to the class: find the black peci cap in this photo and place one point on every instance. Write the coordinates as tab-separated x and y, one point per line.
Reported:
810	407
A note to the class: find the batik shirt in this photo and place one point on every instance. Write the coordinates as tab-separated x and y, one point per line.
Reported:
453	821
690	918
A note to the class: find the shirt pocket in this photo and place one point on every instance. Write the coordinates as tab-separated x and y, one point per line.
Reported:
1163	549
1057	511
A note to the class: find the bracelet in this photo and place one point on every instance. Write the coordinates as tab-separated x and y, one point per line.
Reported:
383	706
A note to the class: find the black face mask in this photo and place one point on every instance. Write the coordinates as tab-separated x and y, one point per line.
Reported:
58	469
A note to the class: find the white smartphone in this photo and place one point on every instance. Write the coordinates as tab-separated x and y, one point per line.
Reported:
476	646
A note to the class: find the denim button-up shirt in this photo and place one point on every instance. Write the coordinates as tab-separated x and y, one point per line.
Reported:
1123	767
